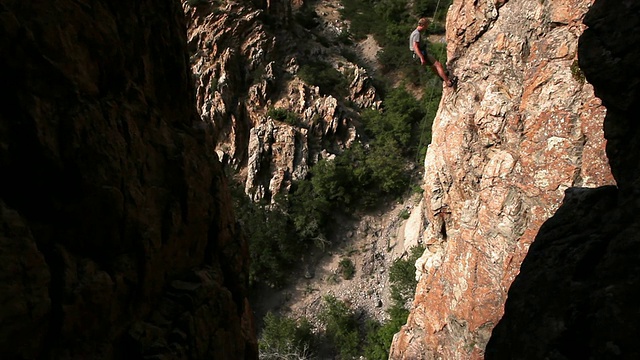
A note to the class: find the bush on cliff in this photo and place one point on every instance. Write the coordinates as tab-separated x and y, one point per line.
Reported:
284	115
402	276
324	76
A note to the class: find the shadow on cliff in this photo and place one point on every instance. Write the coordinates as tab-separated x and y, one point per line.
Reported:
578	292
117	235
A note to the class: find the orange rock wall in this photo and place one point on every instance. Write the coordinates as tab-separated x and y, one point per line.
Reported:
577	293
522	127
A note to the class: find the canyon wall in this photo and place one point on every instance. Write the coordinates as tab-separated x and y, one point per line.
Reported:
522	127
117	237
578	290
246	59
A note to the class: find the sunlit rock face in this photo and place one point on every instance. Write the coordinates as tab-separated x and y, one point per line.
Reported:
245	58
117	238
578	290
522	127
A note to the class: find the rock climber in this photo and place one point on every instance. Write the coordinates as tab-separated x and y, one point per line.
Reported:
419	50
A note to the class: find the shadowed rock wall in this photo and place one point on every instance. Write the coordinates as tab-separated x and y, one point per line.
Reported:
117	238
578	290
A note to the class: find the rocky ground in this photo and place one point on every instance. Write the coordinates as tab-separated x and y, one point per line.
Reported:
372	242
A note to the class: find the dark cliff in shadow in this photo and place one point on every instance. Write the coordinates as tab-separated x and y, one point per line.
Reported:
578	292
117	238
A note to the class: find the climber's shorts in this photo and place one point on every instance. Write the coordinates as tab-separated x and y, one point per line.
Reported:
430	59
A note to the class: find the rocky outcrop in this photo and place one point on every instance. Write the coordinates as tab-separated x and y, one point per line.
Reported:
117	238
522	127
578	290
245	59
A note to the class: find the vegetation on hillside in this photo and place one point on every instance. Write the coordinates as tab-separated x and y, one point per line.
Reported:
375	167
355	180
284	338
343	333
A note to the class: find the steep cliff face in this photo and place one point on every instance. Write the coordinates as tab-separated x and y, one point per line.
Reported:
245	60
521	128
578	290
117	238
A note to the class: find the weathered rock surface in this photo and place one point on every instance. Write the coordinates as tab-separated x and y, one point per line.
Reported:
244	64
522	127
117	238
578	290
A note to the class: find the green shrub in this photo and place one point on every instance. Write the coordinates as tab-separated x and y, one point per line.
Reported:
437	27
401	113
323	75
386	126
349	55
342	182
333	279
332	182
576	72
399	101
388	168
285	338
323	40
397	37
435	10
284	115
393	12
429	104
379	336
342	327
346	268
272	248
345	37
307	17
309	212
393	57
439	51
362	22
426	8
402	276
275	241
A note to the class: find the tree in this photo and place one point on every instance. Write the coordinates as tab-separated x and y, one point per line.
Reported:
308	211
387	168
342	326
